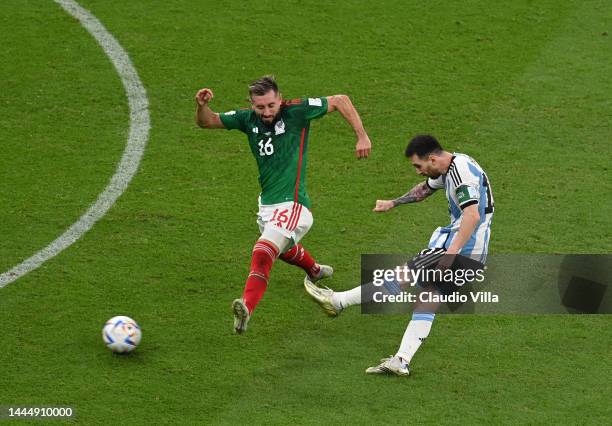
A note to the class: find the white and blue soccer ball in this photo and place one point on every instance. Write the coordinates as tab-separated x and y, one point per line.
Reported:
121	334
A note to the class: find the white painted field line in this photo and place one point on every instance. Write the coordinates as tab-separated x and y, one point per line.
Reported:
137	141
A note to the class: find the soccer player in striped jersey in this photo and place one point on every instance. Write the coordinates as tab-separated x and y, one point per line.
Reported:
277	132
470	203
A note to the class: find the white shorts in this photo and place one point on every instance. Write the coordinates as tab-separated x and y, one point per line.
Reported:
284	224
475	248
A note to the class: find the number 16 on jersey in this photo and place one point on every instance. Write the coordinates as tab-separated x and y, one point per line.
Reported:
266	148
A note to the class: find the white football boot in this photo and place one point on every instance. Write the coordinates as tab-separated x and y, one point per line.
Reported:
391	365
323	296
241	316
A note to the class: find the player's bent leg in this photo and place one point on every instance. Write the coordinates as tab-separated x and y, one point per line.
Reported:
363	294
333	302
300	257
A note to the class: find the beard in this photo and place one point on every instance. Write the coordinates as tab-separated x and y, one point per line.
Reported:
270	120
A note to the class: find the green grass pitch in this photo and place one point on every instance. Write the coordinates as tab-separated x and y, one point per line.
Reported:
523	86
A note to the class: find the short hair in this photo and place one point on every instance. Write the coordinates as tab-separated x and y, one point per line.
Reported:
422	146
262	86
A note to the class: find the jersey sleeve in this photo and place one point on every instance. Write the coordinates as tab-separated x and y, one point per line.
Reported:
466	182
437	183
235	119
310	108
467	195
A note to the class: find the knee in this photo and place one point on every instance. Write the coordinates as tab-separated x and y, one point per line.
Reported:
264	254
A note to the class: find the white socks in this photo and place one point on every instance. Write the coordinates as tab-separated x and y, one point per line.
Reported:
363	294
418	328
342	299
416	332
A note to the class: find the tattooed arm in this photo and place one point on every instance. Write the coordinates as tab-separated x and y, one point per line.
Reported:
418	193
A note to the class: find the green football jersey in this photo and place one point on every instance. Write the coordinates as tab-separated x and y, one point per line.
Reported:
281	148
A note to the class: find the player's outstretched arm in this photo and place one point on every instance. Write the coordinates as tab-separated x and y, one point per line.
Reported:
418	193
205	117
343	104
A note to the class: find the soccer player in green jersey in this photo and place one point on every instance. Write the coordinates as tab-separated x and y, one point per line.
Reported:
277	132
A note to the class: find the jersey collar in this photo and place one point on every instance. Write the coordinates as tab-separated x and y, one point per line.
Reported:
452	161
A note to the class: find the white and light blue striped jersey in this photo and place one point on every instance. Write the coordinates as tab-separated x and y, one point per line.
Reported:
465	183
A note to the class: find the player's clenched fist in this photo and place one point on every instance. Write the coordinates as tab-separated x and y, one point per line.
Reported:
383	205
204	96
363	147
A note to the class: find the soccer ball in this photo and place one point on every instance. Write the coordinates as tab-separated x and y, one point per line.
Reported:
121	334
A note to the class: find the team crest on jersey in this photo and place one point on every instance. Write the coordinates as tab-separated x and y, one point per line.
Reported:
314	102
279	127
